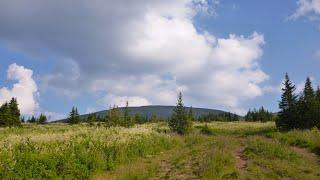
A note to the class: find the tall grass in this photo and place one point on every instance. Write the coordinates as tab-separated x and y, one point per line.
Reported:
238	128
77	152
303	138
271	159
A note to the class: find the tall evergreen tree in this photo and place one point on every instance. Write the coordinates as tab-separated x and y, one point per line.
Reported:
317	108
23	119
288	112
42	119
114	116
10	114
306	107
91	118
317	94
190	114
127	119
308	92
74	117
179	121
32	120
14	108
5	116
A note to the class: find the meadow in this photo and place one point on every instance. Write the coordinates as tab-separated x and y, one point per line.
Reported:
217	150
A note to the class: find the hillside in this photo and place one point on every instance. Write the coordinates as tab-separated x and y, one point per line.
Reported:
160	111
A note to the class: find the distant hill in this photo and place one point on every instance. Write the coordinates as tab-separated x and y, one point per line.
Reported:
159	111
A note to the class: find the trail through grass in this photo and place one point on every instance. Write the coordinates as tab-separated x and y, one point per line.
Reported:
218	150
236	150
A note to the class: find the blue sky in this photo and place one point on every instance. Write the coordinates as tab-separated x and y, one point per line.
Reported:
226	54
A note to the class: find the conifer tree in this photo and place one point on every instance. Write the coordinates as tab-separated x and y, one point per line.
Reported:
74	117
23	119
5	116
317	94
190	114
10	114
42	119
306	107
114	116
32	120
91	118
127	120
288	112
14	108
179	121
317	108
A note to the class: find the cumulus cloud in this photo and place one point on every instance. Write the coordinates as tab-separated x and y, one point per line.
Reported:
144	51
52	116
25	89
122	100
310	8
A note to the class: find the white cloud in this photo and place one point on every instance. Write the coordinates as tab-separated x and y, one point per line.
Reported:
25	89
121	101
156	89
53	116
273	89
145	51
310	8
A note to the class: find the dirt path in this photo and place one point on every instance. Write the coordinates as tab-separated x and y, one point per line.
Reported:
241	159
306	154
171	164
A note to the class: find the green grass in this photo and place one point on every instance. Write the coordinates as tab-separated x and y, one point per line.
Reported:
306	139
217	150
270	159
75	151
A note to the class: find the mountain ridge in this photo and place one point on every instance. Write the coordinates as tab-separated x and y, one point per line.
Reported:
161	111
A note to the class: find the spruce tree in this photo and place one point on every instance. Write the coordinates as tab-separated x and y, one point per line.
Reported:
308	91
23	119
190	114
317	94
74	117
32	120
317	108
5	116
10	114
14	113
306	107
42	119
114	116
91	119
288	112
179	121
127	120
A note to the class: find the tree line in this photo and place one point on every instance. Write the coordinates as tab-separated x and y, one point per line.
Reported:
10	115
298	111
261	114
179	122
181	117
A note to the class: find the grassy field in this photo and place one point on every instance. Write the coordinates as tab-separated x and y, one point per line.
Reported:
218	150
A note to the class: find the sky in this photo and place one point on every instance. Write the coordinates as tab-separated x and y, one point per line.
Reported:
222	54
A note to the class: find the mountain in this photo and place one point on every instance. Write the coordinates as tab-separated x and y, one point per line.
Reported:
160	111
